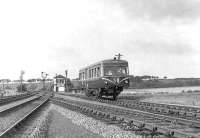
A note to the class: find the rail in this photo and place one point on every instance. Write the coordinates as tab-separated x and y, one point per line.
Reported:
6	132
152	127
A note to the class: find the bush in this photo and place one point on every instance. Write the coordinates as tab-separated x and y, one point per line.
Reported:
23	89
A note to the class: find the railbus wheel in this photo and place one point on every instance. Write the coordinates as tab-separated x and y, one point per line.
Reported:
99	95
114	96
87	93
114	93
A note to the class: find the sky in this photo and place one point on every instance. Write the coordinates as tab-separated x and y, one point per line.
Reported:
157	37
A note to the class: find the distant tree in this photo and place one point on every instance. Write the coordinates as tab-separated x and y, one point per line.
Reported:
31	80
5	80
165	77
22	88
38	79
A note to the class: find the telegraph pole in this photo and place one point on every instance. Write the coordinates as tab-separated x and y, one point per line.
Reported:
44	76
66	85
3	86
21	78
3	92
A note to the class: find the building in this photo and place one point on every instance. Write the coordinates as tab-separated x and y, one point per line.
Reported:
59	83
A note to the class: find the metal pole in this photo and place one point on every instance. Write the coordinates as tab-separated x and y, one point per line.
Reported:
21	78
3	88
43	84
21	85
44	76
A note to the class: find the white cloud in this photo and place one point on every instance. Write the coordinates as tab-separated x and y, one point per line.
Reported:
52	36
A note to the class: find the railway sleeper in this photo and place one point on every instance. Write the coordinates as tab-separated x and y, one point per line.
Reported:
156	109
165	111
154	131
161	110
183	113
150	108
192	115
142	106
169	134
121	120
129	125
172	112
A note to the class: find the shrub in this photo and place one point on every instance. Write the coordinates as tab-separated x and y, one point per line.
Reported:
22	88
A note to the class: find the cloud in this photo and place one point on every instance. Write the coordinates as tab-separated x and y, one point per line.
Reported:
59	35
164	48
157	10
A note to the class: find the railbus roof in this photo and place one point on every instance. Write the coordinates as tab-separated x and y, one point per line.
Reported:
105	62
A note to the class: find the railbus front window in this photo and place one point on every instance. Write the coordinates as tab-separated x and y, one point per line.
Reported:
115	71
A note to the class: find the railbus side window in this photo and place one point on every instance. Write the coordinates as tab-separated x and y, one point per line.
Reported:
87	74
127	70
95	72
80	76
102	70
92	73
98	71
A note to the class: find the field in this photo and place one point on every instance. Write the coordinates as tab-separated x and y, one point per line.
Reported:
190	99
11	89
179	95
163	90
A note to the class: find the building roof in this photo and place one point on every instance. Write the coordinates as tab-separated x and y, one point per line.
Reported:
59	76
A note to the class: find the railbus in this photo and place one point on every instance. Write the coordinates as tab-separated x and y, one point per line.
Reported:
105	78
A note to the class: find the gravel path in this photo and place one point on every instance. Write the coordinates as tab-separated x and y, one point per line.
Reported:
92	125
62	127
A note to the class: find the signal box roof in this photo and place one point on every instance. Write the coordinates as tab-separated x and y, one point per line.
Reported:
59	76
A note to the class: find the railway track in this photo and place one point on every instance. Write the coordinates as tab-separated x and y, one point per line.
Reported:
173	110
155	123
8	99
18	113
